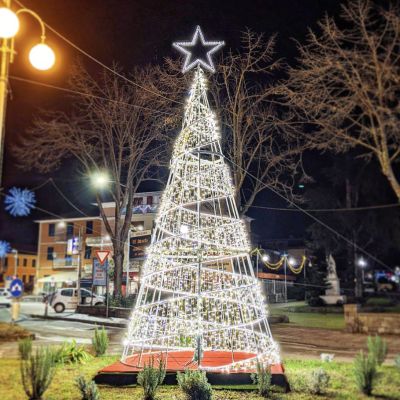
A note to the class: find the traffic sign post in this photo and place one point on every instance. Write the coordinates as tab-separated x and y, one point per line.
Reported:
16	291
16	288
102	256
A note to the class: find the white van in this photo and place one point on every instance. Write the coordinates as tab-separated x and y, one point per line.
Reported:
67	298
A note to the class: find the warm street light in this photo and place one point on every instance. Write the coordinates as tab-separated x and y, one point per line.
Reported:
41	56
9	23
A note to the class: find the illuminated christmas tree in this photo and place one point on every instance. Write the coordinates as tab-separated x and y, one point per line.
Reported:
198	289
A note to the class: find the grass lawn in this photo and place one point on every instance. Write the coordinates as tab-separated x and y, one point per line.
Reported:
299	317
63	387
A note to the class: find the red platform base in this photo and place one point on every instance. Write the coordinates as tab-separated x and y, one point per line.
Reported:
125	373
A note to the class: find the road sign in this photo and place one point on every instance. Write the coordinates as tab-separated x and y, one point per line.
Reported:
102	255
99	273
16	288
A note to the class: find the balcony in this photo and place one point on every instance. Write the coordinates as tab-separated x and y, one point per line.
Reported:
65	263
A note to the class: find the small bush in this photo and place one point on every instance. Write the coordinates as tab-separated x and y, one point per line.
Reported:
377	348
150	378
365	370
25	348
397	361
263	380
88	389
319	381
195	385
71	353
100	341
37	372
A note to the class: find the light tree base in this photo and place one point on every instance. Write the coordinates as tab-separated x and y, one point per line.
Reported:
125	373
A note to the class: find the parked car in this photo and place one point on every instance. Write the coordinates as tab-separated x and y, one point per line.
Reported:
5	301
67	298
4	292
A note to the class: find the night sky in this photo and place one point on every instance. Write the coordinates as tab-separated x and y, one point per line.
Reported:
132	33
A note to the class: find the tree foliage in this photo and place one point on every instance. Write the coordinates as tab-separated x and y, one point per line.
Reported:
346	85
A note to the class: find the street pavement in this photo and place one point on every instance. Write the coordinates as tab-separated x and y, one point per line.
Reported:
55	332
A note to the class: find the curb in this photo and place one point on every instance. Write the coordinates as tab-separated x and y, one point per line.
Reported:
83	321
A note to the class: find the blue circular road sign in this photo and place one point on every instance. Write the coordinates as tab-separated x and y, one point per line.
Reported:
16	288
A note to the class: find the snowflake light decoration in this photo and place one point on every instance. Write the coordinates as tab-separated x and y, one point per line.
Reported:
19	202
187	49
4	248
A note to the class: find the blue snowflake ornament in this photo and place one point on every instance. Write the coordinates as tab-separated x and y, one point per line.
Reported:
4	248
19	202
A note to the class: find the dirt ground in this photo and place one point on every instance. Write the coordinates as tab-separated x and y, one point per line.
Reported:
298	342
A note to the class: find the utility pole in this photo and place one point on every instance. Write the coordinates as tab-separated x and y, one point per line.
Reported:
5	53
78	284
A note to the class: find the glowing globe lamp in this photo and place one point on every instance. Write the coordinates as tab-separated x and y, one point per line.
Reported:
42	57
9	23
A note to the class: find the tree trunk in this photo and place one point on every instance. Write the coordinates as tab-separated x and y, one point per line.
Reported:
391	177
118	269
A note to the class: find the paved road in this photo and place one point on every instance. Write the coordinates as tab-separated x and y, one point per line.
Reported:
53	332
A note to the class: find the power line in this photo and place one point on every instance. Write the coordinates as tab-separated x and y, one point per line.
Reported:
72	91
99	62
382	206
292	203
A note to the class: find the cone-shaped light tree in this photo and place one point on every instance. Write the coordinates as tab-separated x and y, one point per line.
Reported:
199	291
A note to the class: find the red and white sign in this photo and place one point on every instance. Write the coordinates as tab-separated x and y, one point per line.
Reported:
102	255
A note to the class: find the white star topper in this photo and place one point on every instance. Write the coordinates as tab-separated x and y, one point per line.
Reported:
189	63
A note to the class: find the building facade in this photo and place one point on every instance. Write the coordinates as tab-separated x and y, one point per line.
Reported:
58	255
21	265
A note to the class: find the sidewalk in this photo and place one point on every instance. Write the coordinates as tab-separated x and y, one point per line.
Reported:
86	319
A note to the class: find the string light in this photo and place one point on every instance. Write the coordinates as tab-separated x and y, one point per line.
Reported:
198	287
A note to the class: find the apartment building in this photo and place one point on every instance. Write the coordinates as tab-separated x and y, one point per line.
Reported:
58	258
21	265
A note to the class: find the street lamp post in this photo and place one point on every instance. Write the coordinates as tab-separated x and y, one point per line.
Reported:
41	57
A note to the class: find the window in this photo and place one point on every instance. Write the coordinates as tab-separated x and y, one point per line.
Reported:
137	201
33	263
88	252
52	229
50	251
89	226
24	262
150	200
31	278
24	278
67	292
70	228
68	260
6	262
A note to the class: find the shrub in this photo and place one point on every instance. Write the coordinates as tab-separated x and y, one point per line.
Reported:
150	378
100	341
37	372
263	380
88	389
377	348
365	370
195	385
319	381
71	353
25	348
